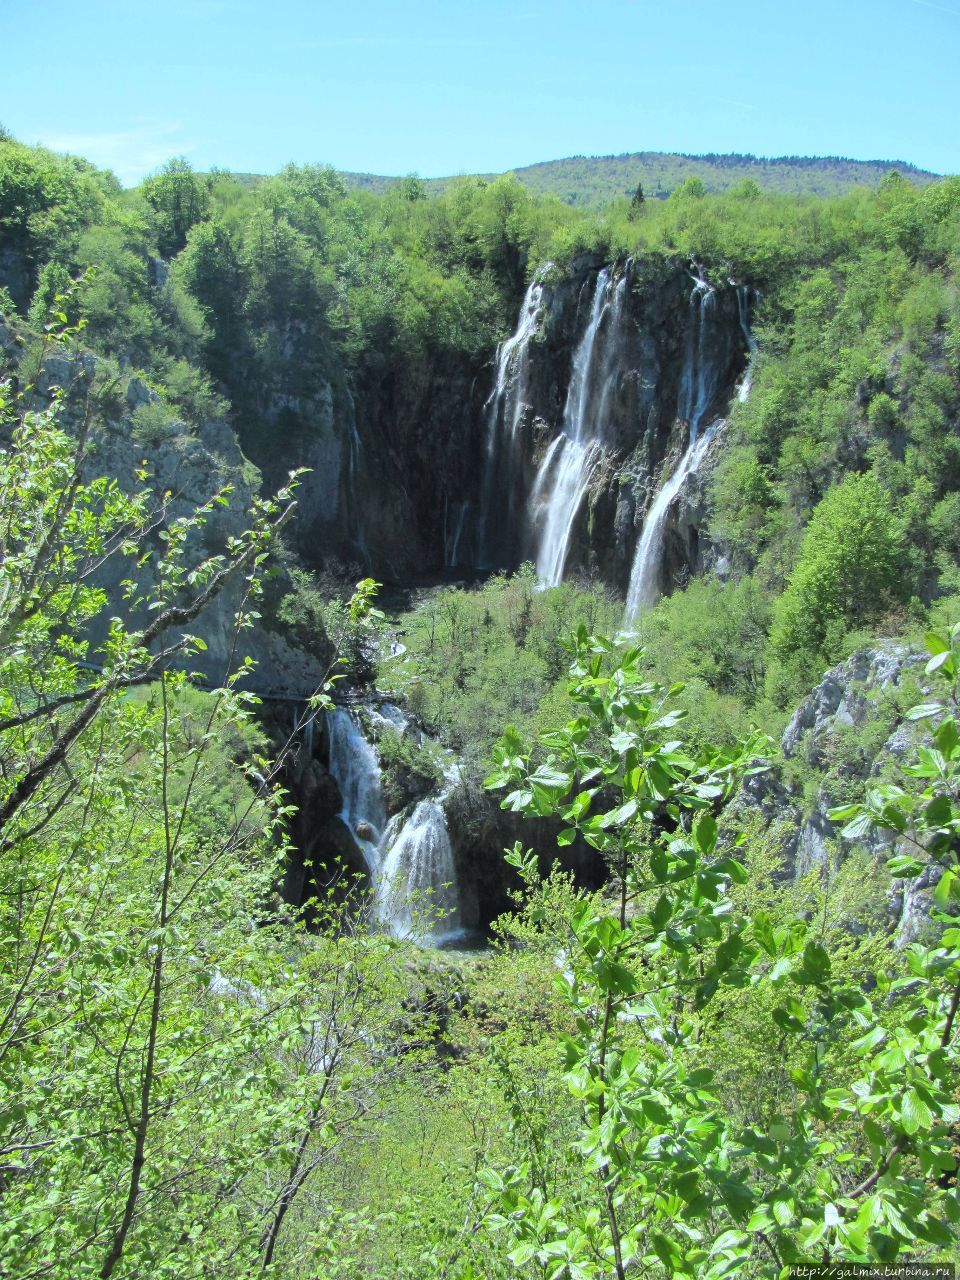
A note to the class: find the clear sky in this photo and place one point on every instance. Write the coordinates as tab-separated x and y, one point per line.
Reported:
447	86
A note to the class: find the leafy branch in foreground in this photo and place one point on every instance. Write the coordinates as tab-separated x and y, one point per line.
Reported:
177	1058
848	1171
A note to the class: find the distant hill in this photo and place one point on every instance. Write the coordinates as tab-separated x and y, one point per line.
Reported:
593	181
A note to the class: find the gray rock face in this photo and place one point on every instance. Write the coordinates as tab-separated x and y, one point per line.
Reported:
842	699
819	736
192	469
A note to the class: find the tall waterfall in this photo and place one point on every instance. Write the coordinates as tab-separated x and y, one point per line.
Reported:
698	385
504	409
410	859
569	464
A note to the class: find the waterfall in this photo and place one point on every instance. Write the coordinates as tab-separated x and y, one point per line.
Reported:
698	385
354	765
354	507
698	381
569	463
503	410
418	878
645	574
743	309
410	859
454	537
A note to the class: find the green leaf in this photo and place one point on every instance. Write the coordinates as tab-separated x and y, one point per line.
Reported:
783	1211
924	711
942	661
945	888
705	833
617	817
662	912
947	737
655	1111
787	1021
914	1112
860	826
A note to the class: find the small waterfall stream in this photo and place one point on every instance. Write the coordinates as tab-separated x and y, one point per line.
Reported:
698	385
503	410
743	310
410	858
453	536
568	465
645	576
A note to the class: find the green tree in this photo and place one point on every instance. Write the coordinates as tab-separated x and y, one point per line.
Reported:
179	199
177	1058
672	1184
849	573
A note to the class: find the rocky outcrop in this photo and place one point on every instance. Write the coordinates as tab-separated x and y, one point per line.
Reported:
185	467
849	732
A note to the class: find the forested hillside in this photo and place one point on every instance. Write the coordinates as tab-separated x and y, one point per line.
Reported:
590	182
523	840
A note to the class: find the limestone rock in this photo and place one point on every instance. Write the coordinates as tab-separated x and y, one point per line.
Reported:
824	733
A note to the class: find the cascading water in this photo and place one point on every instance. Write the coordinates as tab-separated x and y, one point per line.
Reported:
569	464
417	884
698	381
354	506
743	310
645	576
698	385
354	764
453	537
410	860
504	409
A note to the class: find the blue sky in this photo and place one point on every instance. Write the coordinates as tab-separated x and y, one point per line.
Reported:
447	86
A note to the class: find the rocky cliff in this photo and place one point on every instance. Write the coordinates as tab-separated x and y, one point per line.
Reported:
850	731
441	465
190	465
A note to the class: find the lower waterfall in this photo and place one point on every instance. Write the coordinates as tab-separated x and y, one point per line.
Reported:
354	765
410	858
415	893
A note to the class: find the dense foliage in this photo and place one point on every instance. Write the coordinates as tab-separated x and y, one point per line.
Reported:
716	1065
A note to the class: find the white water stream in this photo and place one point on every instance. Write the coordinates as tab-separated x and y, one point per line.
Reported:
504	409
568	465
410	858
743	309
698	385
645	576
